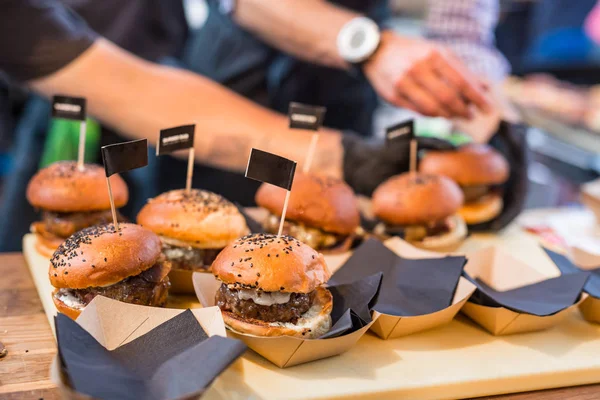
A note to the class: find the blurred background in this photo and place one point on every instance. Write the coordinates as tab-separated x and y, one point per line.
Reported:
554	86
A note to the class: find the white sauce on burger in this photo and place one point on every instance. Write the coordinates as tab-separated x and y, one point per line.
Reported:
264	298
69	299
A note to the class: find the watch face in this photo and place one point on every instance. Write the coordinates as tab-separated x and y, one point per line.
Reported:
358	40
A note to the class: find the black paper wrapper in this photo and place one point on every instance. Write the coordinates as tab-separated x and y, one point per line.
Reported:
352	304
253	225
592	286
409	287
542	299
175	360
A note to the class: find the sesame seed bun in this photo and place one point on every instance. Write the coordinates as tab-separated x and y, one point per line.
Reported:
100	256
271	264
482	210
416	199
199	219
321	202
61	187
472	164
312	324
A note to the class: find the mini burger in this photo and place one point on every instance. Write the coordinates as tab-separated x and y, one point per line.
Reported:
422	208
70	200
194	227
125	265
322	211
479	170
273	286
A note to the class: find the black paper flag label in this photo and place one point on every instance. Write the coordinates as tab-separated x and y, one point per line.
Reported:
270	168
173	139
125	156
404	129
303	116
68	107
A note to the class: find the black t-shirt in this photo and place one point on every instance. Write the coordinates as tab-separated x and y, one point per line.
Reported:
38	37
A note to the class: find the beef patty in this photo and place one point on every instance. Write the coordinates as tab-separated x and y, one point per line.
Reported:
229	300
65	224
150	288
416	233
474	193
190	258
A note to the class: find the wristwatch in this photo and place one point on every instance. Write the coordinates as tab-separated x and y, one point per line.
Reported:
358	40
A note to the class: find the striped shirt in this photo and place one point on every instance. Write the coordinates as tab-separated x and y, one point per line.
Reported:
467	28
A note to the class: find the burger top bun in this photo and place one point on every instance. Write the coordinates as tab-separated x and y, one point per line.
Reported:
317	201
271	264
100	256
62	187
416	199
200	218
472	164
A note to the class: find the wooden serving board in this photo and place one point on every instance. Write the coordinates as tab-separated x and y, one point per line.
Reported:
457	361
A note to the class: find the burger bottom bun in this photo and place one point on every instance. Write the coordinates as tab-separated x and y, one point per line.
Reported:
313	323
70	312
446	242
46	242
483	210
43	248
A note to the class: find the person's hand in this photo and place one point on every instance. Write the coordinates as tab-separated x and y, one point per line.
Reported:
367	162
419	75
482	126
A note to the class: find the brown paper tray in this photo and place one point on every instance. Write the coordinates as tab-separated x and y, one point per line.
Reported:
391	326
113	324
501	271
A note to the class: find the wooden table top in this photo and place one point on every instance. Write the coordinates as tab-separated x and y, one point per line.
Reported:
24	330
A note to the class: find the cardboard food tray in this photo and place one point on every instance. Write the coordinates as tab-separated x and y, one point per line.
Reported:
501	271
113	329
457	361
581	233
392	326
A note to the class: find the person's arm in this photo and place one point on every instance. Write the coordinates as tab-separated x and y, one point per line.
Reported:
139	98
467	27
406	72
